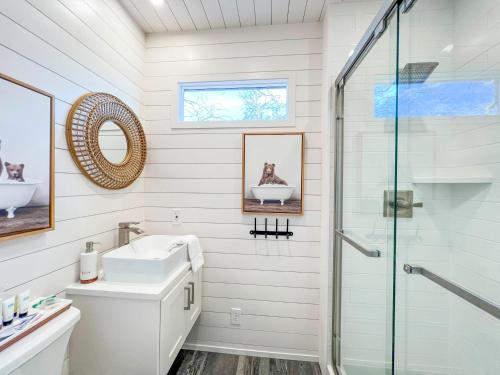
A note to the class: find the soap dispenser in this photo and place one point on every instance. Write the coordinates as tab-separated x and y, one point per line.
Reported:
88	264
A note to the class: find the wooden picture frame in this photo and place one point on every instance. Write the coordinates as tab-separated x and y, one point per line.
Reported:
27	180
273	180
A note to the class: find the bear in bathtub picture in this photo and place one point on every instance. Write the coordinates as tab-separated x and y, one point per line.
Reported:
26	159
273	165
16	193
269	177
272	188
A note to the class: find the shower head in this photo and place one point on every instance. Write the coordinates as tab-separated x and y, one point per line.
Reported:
416	72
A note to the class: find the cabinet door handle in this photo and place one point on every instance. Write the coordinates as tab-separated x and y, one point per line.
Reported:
188	307
191	301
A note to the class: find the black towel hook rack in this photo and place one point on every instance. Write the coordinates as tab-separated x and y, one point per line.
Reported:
276	232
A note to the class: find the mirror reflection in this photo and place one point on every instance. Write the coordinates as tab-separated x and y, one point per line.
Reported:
113	142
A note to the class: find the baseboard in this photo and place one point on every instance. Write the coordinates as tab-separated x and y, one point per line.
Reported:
330	370
252	352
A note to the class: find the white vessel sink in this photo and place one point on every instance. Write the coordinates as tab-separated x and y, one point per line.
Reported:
150	259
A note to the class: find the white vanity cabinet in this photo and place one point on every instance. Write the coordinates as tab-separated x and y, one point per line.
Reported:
131	329
179	311
194	311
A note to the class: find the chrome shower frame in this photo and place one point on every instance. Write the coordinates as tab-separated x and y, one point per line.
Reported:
369	39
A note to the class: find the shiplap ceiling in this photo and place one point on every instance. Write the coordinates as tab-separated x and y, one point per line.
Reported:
185	15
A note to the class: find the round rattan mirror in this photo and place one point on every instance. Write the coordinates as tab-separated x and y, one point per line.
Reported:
110	163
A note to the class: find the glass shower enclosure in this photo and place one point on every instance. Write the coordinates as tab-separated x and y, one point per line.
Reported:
417	193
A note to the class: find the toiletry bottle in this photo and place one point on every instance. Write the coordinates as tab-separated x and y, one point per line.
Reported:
88	264
23	304
8	310
16	306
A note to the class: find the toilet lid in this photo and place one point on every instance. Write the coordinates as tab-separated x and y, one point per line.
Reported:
22	351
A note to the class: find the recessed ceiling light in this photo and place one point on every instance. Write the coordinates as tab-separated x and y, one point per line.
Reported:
156	2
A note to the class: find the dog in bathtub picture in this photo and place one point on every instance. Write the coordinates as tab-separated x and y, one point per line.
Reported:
273	173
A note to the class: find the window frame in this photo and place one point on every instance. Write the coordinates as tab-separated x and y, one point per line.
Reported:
234	82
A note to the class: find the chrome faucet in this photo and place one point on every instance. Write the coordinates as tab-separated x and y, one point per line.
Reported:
124	230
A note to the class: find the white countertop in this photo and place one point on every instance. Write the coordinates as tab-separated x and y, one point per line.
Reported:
110	289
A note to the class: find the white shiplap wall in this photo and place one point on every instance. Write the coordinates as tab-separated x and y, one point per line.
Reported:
275	282
68	48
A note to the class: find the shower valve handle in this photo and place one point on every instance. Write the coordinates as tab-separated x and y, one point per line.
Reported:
403	203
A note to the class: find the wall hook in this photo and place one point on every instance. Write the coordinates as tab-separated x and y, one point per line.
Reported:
277	233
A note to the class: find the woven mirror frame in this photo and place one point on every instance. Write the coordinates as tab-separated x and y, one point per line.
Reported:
84	121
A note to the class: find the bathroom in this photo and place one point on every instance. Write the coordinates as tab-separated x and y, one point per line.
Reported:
249	187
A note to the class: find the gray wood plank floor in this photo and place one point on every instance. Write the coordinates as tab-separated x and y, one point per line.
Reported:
203	363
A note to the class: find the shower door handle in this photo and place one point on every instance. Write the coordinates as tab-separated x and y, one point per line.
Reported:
476	300
357	246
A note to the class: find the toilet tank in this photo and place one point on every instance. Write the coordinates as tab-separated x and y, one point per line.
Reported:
43	351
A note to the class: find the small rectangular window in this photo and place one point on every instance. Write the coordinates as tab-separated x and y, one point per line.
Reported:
234	101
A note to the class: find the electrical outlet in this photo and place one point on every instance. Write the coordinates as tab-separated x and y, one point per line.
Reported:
235	316
176	216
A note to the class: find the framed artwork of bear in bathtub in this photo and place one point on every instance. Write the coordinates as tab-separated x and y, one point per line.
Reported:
26	159
273	173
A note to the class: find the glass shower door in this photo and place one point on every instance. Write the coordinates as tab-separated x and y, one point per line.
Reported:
448	248
365	168
417	194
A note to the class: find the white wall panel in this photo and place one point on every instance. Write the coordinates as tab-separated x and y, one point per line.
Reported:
220	50
255	322
69	48
199	171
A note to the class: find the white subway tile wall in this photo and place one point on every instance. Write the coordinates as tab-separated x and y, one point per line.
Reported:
454	234
455	231
475	219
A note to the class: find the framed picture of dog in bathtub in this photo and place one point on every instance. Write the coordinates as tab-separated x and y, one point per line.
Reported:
26	159
273	173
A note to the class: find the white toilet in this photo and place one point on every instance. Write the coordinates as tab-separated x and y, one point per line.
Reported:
43	351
